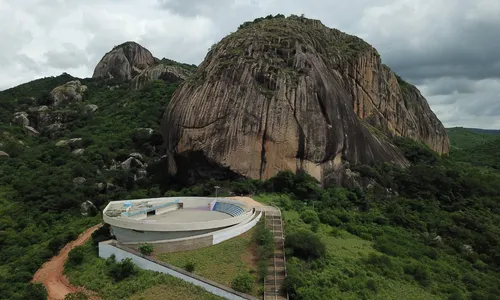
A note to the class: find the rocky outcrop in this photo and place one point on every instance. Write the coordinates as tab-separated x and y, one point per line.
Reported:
124	62
292	94
90	108
69	92
167	73
390	104
54	117
21	118
31	131
88	208
72	143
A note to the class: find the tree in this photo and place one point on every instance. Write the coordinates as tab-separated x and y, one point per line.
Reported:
305	244
75	256
243	283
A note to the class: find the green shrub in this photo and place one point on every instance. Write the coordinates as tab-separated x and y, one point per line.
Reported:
121	270
36	291
75	256
76	296
190	266
372	285
146	249
243	283
309	216
305	244
327	216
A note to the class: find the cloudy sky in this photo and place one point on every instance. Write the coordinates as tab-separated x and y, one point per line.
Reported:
450	49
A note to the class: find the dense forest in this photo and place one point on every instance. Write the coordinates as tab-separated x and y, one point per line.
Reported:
430	231
43	182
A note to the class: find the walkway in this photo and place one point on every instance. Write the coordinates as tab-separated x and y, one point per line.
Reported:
273	284
51	272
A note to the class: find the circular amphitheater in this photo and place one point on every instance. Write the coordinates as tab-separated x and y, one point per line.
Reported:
174	224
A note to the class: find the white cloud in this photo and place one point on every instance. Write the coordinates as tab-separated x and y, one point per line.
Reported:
449	50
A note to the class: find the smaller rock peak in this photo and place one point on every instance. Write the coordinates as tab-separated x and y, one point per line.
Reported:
124	61
128	44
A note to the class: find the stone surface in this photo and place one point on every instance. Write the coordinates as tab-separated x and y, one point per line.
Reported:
137	156
31	131
167	73
292	95
78	151
88	208
62	143
21	118
91	108
467	249
131	162
69	92
124	62
79	180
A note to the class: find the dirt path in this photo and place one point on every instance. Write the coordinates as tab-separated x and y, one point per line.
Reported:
51	272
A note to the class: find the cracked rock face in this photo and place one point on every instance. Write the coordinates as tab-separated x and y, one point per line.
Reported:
167	73
292	95
124	62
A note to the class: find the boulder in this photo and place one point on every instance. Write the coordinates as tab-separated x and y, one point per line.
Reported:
69	92
142	134
79	180
467	249
132	162
137	156
90	108
21	118
78	151
110	186
141	173
101	187
88	208
31	131
438	239
62	143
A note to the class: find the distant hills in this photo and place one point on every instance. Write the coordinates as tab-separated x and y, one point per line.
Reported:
480	147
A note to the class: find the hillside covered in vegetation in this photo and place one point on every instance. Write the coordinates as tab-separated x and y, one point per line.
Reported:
68	146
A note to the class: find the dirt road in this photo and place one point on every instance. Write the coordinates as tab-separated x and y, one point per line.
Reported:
51	272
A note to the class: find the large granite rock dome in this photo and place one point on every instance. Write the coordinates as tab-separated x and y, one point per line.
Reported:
292	94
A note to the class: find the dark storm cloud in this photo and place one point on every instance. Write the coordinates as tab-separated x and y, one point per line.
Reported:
449	85
457	45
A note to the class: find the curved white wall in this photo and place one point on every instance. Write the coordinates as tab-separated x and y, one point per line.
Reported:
143	224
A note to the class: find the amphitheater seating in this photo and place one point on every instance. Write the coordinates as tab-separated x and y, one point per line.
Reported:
228	208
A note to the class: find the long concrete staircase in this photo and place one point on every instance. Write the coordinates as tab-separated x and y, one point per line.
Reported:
275	279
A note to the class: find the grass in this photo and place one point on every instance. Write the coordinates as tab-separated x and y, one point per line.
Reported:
93	275
222	262
164	291
346	273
